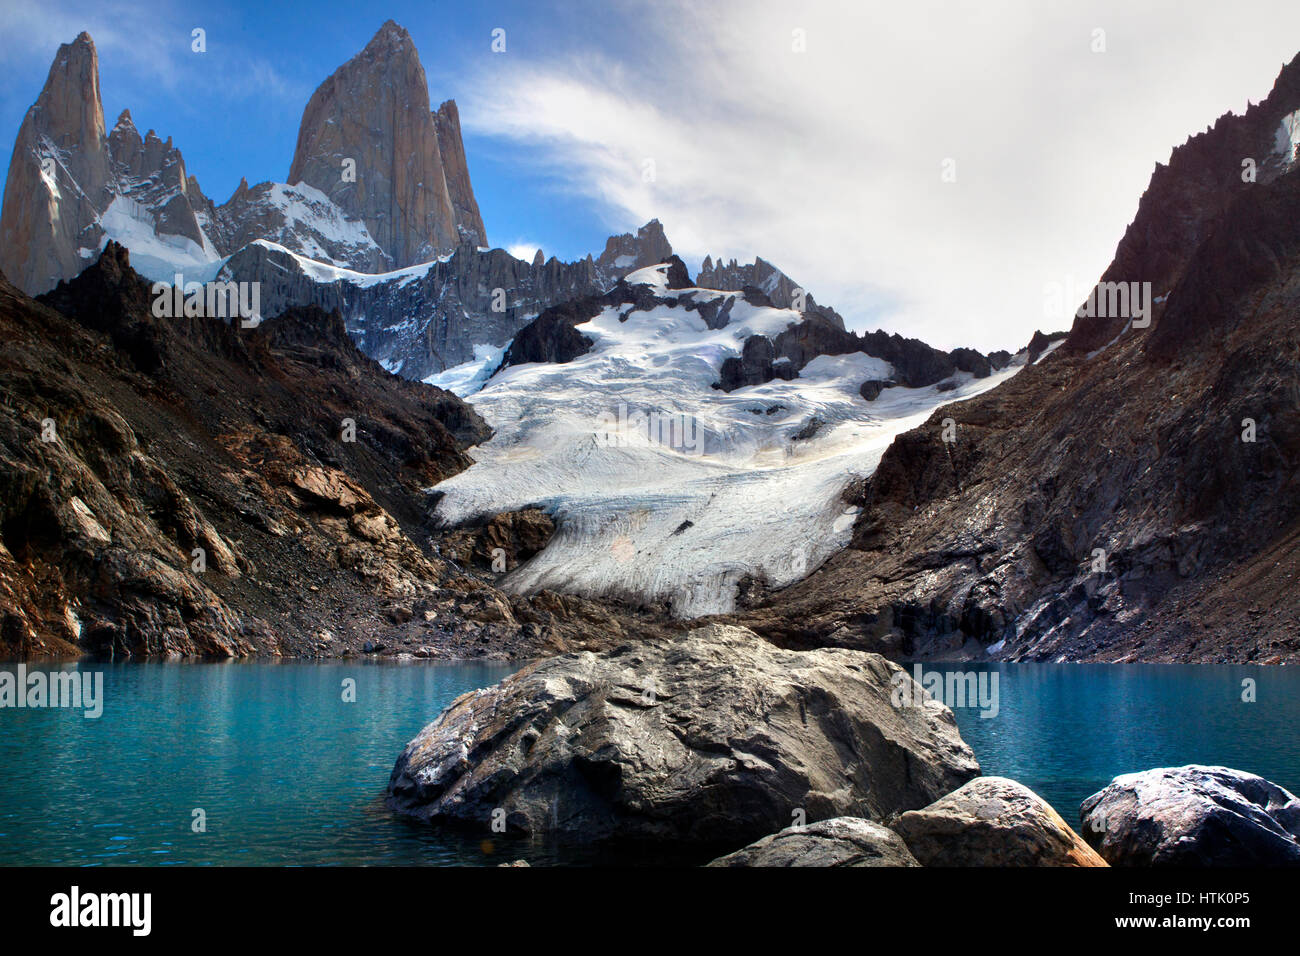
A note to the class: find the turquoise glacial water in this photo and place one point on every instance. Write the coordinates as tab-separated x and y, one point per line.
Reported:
1065	730
287	773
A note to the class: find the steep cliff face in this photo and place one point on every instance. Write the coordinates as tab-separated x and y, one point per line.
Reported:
59	176
404	197
188	487
1184	199
469	223
369	142
72	186
1133	495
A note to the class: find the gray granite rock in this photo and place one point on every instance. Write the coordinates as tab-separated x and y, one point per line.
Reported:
993	821
1193	816
717	735
841	841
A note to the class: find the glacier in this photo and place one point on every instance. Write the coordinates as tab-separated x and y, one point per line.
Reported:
645	520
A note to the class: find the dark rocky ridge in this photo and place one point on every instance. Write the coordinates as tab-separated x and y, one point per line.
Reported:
1039	343
171	435
551	337
1187	196
988	545
761	278
915	363
423	325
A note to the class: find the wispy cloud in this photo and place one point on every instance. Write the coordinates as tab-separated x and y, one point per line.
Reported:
830	160
151	44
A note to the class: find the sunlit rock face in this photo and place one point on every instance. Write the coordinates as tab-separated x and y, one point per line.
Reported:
369	141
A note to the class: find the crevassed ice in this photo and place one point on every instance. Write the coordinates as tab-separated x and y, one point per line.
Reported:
643	516
467	378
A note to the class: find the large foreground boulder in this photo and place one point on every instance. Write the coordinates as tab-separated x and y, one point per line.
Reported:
993	821
1193	816
842	841
716	735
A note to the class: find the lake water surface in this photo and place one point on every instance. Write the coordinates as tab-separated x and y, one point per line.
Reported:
286	772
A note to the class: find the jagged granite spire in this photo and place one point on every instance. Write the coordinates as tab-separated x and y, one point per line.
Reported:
59	174
67	172
411	185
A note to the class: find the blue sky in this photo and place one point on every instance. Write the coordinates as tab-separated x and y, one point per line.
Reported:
234	111
812	133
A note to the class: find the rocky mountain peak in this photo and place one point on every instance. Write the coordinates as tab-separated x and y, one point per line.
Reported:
762	276
629	252
370	143
70	99
59	174
1204	176
392	36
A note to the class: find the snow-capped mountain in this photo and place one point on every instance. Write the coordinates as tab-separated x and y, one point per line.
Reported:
301	218
371	187
72	185
665	487
398	248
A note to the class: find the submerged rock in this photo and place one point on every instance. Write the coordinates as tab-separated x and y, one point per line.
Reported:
842	841
713	736
1193	816
993	821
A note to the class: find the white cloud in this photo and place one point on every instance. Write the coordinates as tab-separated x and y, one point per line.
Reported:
523	250
828	162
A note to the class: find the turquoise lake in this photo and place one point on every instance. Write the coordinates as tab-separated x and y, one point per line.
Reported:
288	773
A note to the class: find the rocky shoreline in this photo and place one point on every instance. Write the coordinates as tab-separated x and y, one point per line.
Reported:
718	740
